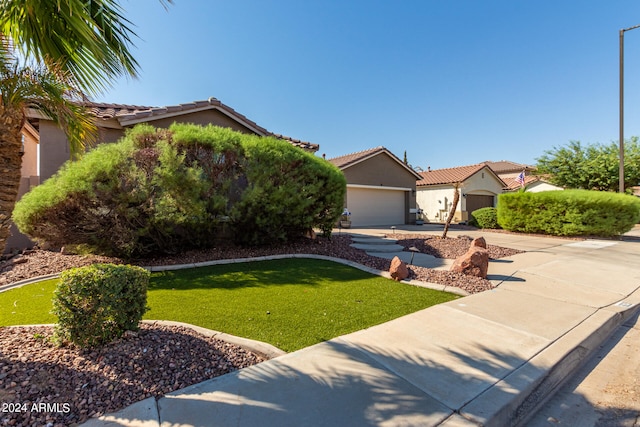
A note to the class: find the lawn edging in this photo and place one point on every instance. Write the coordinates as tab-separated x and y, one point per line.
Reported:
260	348
158	268
429	285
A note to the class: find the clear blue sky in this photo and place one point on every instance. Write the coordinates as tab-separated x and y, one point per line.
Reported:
451	82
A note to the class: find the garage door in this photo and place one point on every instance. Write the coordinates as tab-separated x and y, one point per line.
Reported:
375	207
475	202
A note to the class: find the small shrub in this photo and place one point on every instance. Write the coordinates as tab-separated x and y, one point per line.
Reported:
485	218
569	212
98	303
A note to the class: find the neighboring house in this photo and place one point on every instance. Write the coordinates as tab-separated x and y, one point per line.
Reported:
532	184
381	189
509	171
113	120
47	148
479	186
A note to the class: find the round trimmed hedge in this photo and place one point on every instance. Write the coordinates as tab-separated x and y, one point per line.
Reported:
99	303
485	218
167	190
569	212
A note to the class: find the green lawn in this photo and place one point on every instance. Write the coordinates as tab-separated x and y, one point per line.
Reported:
290	303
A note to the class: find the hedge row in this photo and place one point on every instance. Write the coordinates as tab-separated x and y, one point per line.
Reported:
163	191
568	212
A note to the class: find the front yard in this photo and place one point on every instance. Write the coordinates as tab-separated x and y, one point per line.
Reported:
289	303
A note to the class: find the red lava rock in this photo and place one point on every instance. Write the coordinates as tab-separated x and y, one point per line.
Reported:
475	262
398	269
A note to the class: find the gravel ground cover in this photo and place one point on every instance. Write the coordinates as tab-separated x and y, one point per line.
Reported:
43	385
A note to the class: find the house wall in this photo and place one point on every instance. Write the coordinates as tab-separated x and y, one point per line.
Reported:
380	170
435	200
538	186
383	171
28	178
54	149
30	157
205	117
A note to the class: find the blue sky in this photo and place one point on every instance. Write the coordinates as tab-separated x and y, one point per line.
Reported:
451	82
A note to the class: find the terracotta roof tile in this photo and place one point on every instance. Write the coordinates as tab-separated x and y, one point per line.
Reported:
512	184
124	113
349	159
505	166
109	111
449	175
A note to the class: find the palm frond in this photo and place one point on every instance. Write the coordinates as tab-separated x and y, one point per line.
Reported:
50	90
90	38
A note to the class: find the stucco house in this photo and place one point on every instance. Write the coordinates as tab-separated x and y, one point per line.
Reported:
46	147
509	171
113	119
381	189
479	186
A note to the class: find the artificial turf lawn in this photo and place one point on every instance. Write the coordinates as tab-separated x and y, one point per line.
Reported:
290	303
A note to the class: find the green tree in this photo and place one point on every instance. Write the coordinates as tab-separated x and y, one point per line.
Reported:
591	167
71	48
51	92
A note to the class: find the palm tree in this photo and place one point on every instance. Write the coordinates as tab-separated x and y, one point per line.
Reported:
77	47
49	90
90	39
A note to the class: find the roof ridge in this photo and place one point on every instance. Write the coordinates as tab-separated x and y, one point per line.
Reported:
134	113
361	152
457	167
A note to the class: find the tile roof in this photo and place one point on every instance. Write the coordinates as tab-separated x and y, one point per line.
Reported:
512	184
110	111
449	175
505	166
343	162
350	159
131	114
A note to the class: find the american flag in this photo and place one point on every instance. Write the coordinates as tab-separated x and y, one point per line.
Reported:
520	179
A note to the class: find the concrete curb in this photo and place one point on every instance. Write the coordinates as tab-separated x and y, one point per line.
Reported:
24	282
561	359
262	349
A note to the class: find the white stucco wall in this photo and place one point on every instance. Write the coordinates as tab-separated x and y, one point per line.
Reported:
536	187
434	200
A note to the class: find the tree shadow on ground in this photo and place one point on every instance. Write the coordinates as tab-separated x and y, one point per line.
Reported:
300	271
342	385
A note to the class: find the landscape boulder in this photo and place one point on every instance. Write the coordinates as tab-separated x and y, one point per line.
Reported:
398	269
475	262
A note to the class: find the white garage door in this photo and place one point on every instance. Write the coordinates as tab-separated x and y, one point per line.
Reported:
375	207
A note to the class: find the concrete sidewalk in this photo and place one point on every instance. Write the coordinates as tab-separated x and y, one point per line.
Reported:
486	359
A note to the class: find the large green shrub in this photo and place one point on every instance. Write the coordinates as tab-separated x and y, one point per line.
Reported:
485	218
163	191
98	303
288	192
569	212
